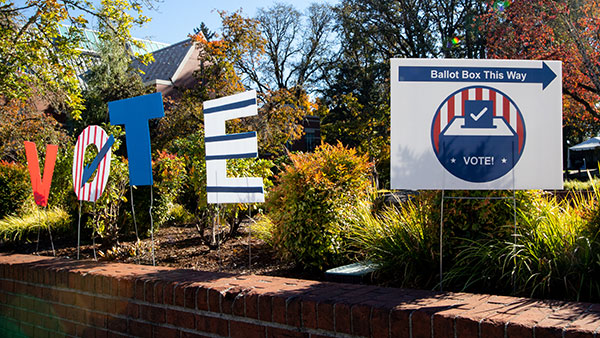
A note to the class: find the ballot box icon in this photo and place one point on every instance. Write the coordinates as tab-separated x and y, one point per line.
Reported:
478	154
479	114
478	134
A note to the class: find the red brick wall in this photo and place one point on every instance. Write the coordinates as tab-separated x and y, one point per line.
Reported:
48	297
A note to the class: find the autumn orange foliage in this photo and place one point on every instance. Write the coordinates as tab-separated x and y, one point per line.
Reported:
280	110
565	30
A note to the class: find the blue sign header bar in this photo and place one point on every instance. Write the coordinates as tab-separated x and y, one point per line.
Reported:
543	75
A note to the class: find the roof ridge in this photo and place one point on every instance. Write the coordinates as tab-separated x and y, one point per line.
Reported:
172	45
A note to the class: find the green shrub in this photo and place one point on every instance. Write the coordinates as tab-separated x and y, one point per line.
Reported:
191	149
478	218
263	228
403	241
17	229
557	251
481	266
61	191
169	176
310	206
471	215
178	215
15	187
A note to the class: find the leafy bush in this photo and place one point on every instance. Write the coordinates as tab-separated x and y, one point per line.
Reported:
15	186
191	149
477	218
555	252
465	220
310	206
23	121
558	252
61	191
263	229
169	176
16	229
178	214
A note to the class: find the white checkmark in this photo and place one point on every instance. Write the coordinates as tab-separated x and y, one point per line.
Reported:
478	116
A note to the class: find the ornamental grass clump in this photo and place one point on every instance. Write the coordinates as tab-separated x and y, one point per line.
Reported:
402	242
581	185
555	254
25	228
310	207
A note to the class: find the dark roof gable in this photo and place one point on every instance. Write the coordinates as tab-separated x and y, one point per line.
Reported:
166	61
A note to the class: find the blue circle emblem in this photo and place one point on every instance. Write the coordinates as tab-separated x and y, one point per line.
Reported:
478	134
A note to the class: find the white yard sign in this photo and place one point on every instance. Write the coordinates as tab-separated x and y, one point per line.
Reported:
476	124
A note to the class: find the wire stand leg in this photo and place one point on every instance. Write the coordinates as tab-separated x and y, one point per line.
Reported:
152	226
94	231
137	243
214	227
514	280
441	241
250	239
79	230
217	226
37	244
50	233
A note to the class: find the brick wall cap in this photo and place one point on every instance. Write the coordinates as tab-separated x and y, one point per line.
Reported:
299	305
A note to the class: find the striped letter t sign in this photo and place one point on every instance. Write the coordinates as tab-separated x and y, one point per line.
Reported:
221	147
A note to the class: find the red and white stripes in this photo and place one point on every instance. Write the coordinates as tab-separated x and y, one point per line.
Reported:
455	106
90	191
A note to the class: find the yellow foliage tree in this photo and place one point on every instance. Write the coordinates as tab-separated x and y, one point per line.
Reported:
34	55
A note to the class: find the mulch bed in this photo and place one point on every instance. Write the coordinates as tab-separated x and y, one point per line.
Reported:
176	246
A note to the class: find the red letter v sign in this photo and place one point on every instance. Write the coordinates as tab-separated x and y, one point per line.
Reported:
41	188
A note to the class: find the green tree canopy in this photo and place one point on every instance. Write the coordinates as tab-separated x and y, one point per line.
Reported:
373	31
34	55
112	78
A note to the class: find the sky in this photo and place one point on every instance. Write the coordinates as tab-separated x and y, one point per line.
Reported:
175	19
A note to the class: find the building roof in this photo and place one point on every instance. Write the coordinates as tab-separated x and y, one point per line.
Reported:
90	46
167	62
90	43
